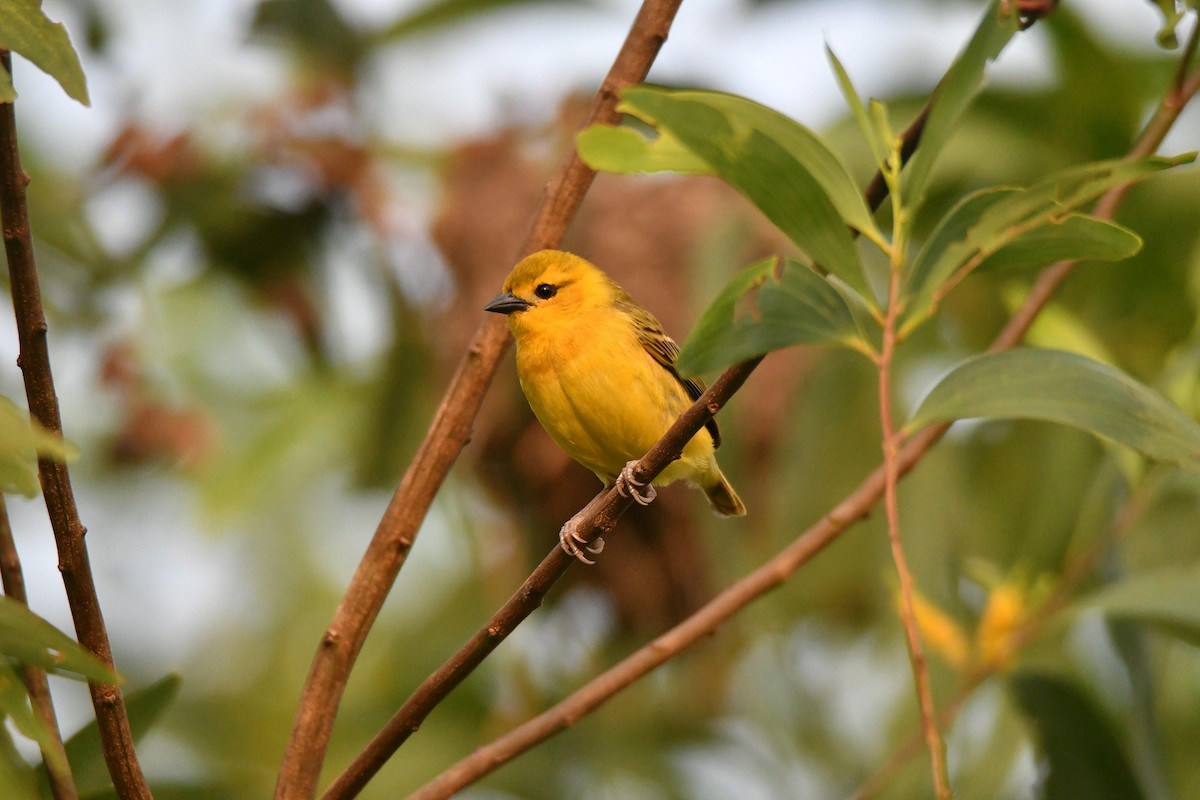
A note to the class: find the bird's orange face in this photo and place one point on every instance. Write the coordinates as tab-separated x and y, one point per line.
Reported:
550	288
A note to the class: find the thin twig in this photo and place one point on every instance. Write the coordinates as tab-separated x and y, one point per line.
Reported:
915	743
62	783
891	440
597	519
857	505
446	437
1181	92
115	736
1028	632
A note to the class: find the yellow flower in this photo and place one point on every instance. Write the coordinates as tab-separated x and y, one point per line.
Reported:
995	640
940	633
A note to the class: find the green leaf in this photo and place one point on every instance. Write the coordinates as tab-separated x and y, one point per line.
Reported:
878	144
1077	237
951	236
954	93
1084	755
14	704
1056	386
769	305
28	31
21	442
16	779
1142	729
781	166
985	223
622	150
32	640
84	752
1167	598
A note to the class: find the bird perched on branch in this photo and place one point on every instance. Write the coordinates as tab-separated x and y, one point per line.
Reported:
599	374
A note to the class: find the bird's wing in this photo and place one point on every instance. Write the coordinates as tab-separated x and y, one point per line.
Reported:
663	349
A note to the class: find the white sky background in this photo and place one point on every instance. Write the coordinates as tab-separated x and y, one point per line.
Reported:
182	60
179	59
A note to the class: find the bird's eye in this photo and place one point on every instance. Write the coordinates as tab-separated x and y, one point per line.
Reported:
545	291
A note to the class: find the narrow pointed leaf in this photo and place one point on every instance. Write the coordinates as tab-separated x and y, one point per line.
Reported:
16	778
1066	388
622	150
985	223
1077	237
1167	598
782	167
768	306
878	144
950	237
955	92
32	640
28	31
1083	753
21	442
742	116
14	704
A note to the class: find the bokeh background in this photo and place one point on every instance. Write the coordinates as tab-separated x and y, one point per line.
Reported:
266	243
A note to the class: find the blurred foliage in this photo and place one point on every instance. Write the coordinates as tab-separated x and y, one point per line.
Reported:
262	305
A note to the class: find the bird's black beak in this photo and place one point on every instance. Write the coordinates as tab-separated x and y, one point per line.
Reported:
507	303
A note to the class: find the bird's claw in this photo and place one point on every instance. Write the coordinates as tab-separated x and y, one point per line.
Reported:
573	542
641	492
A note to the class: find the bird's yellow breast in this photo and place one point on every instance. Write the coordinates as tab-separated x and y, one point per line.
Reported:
601	396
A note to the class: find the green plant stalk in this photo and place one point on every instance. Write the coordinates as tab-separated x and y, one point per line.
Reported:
891	441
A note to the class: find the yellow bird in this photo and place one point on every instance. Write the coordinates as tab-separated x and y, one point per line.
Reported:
599	374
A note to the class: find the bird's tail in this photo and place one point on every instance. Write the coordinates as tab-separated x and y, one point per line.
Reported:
724	499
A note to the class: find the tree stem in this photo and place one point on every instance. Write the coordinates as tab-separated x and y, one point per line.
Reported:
109	705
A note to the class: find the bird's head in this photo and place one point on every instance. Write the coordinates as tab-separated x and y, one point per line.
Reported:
552	287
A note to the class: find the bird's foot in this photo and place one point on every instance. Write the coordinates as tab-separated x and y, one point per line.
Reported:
573	542
641	492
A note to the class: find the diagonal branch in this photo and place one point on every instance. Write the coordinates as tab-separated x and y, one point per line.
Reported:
597	519
446	437
34	361
855	506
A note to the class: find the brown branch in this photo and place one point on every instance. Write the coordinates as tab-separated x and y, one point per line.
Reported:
62	783
597	519
446	437
855	506
69	532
